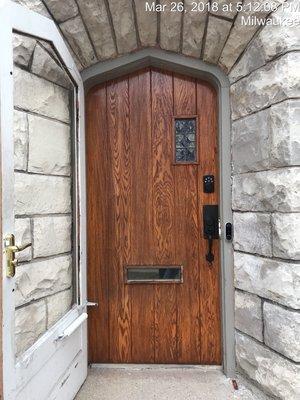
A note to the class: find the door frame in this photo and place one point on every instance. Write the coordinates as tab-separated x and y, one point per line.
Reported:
151	57
53	359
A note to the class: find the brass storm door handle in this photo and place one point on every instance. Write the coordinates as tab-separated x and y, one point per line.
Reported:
10	250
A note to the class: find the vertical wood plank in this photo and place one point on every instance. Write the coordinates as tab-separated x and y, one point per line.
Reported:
142	296
209	274
119	217
163	214
96	145
187	235
184	95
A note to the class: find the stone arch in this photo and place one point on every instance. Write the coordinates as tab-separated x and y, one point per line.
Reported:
99	30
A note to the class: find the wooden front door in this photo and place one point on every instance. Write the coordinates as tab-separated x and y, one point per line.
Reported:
151	138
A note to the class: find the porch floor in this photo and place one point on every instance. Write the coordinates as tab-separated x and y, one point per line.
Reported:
132	382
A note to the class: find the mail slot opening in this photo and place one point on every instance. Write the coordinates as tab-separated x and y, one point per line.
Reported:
153	274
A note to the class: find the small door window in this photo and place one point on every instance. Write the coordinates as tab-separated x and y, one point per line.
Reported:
185	140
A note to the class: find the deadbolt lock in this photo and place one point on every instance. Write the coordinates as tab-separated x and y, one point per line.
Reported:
10	250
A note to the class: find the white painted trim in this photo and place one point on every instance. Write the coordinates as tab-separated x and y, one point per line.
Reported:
40	364
7	167
103	71
73	327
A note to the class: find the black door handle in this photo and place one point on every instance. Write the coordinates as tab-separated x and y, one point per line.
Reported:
209	255
210	228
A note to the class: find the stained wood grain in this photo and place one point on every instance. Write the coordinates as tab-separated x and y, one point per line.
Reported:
144	210
142	296
187	223
164	215
96	142
119	218
209	274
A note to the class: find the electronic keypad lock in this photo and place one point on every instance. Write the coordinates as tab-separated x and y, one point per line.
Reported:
208	183
210	227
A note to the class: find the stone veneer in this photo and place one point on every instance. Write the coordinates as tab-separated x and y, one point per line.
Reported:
42	159
263	66
265	100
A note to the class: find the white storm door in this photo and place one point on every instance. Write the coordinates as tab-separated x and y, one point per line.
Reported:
54	365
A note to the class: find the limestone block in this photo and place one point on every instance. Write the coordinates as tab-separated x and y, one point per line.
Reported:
42	278
50	49
94	14
123	20
36	194
252	233
224	9
193	30
49	146
273	40
147	24
272	279
30	324
48	46
40	96
248	314
75	33
277	376
23	236
20	140
45	66
286	236
242	33
58	305
62	10
275	190
285	139
217	33
170	27
253	58
272	83
35	5
52	235
250	142
268	138
23	47
282	330
238	39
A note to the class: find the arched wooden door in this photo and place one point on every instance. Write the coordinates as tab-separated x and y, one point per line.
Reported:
151	139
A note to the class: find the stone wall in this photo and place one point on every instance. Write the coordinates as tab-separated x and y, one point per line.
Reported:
263	66
42	159
265	103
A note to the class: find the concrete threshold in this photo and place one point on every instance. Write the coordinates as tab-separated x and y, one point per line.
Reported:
136	367
162	382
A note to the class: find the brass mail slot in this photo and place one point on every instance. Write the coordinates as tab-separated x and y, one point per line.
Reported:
153	274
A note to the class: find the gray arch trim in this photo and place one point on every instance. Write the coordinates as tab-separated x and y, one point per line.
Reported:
104	71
